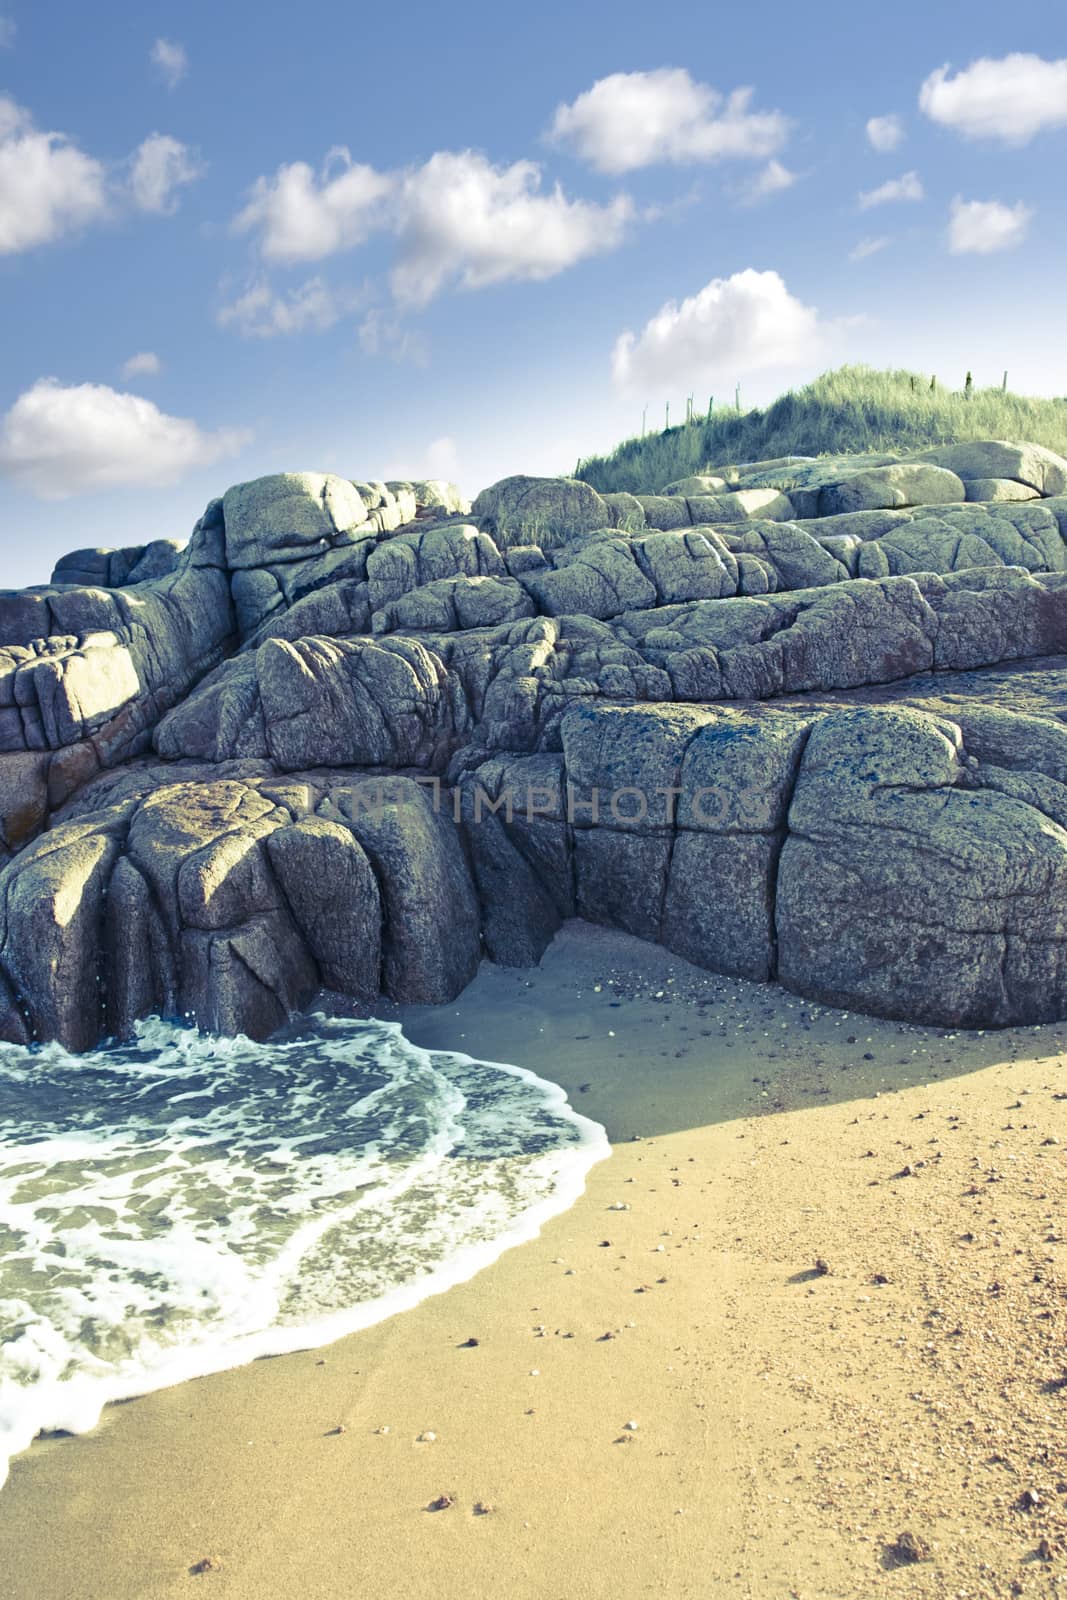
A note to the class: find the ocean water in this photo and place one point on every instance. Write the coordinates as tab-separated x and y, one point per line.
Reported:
186	1203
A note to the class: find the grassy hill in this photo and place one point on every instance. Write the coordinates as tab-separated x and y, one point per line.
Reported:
852	409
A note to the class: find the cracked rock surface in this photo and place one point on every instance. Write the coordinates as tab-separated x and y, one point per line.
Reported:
798	720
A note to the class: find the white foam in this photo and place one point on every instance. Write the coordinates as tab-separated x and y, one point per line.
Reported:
190	1203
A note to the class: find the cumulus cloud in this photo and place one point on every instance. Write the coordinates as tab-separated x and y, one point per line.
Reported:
145	364
868	247
1010	99
170	60
463	219
48	187
301	215
908	187
60	440
772	179
8	30
733	326
641	119
885	133
458	219
982	227
159	167
261	313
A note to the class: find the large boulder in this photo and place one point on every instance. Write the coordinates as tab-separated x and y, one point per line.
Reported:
906	889
288	516
1030	464
121	568
902	484
230	901
544	511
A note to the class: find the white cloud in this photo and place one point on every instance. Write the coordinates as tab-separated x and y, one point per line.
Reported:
908	187
145	364
8	30
982	227
171	60
160	166
58	440
381	334
48	186
1010	99
260	313
457	218
464	219
772	179
885	133
868	247
639	119
301	216
733	327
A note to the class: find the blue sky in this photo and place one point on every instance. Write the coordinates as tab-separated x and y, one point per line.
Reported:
472	240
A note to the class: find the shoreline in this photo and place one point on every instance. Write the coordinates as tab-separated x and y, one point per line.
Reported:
790	1423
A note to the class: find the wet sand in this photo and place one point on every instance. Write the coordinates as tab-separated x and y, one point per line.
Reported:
822	1273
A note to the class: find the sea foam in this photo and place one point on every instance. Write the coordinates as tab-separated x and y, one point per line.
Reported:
186	1203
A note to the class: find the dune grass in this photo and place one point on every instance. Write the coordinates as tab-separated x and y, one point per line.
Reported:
854	409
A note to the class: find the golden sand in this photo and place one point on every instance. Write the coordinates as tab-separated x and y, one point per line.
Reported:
814	1302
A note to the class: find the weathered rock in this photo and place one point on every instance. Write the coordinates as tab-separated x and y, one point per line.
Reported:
868	799
114	569
431	494
430	930
521	866
665	511
288	517
906	891
544	511
334	900
624	511
413	560
903	484
600	580
1029	464
998	490
736	782
456	603
318	701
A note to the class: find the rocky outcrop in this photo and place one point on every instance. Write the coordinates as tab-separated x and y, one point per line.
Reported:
231	899
796	720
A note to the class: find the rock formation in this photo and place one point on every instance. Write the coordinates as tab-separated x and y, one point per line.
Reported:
797	720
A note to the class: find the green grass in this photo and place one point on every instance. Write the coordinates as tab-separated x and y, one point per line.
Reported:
852	410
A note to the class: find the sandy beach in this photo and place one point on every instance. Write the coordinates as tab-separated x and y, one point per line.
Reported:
813	1302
